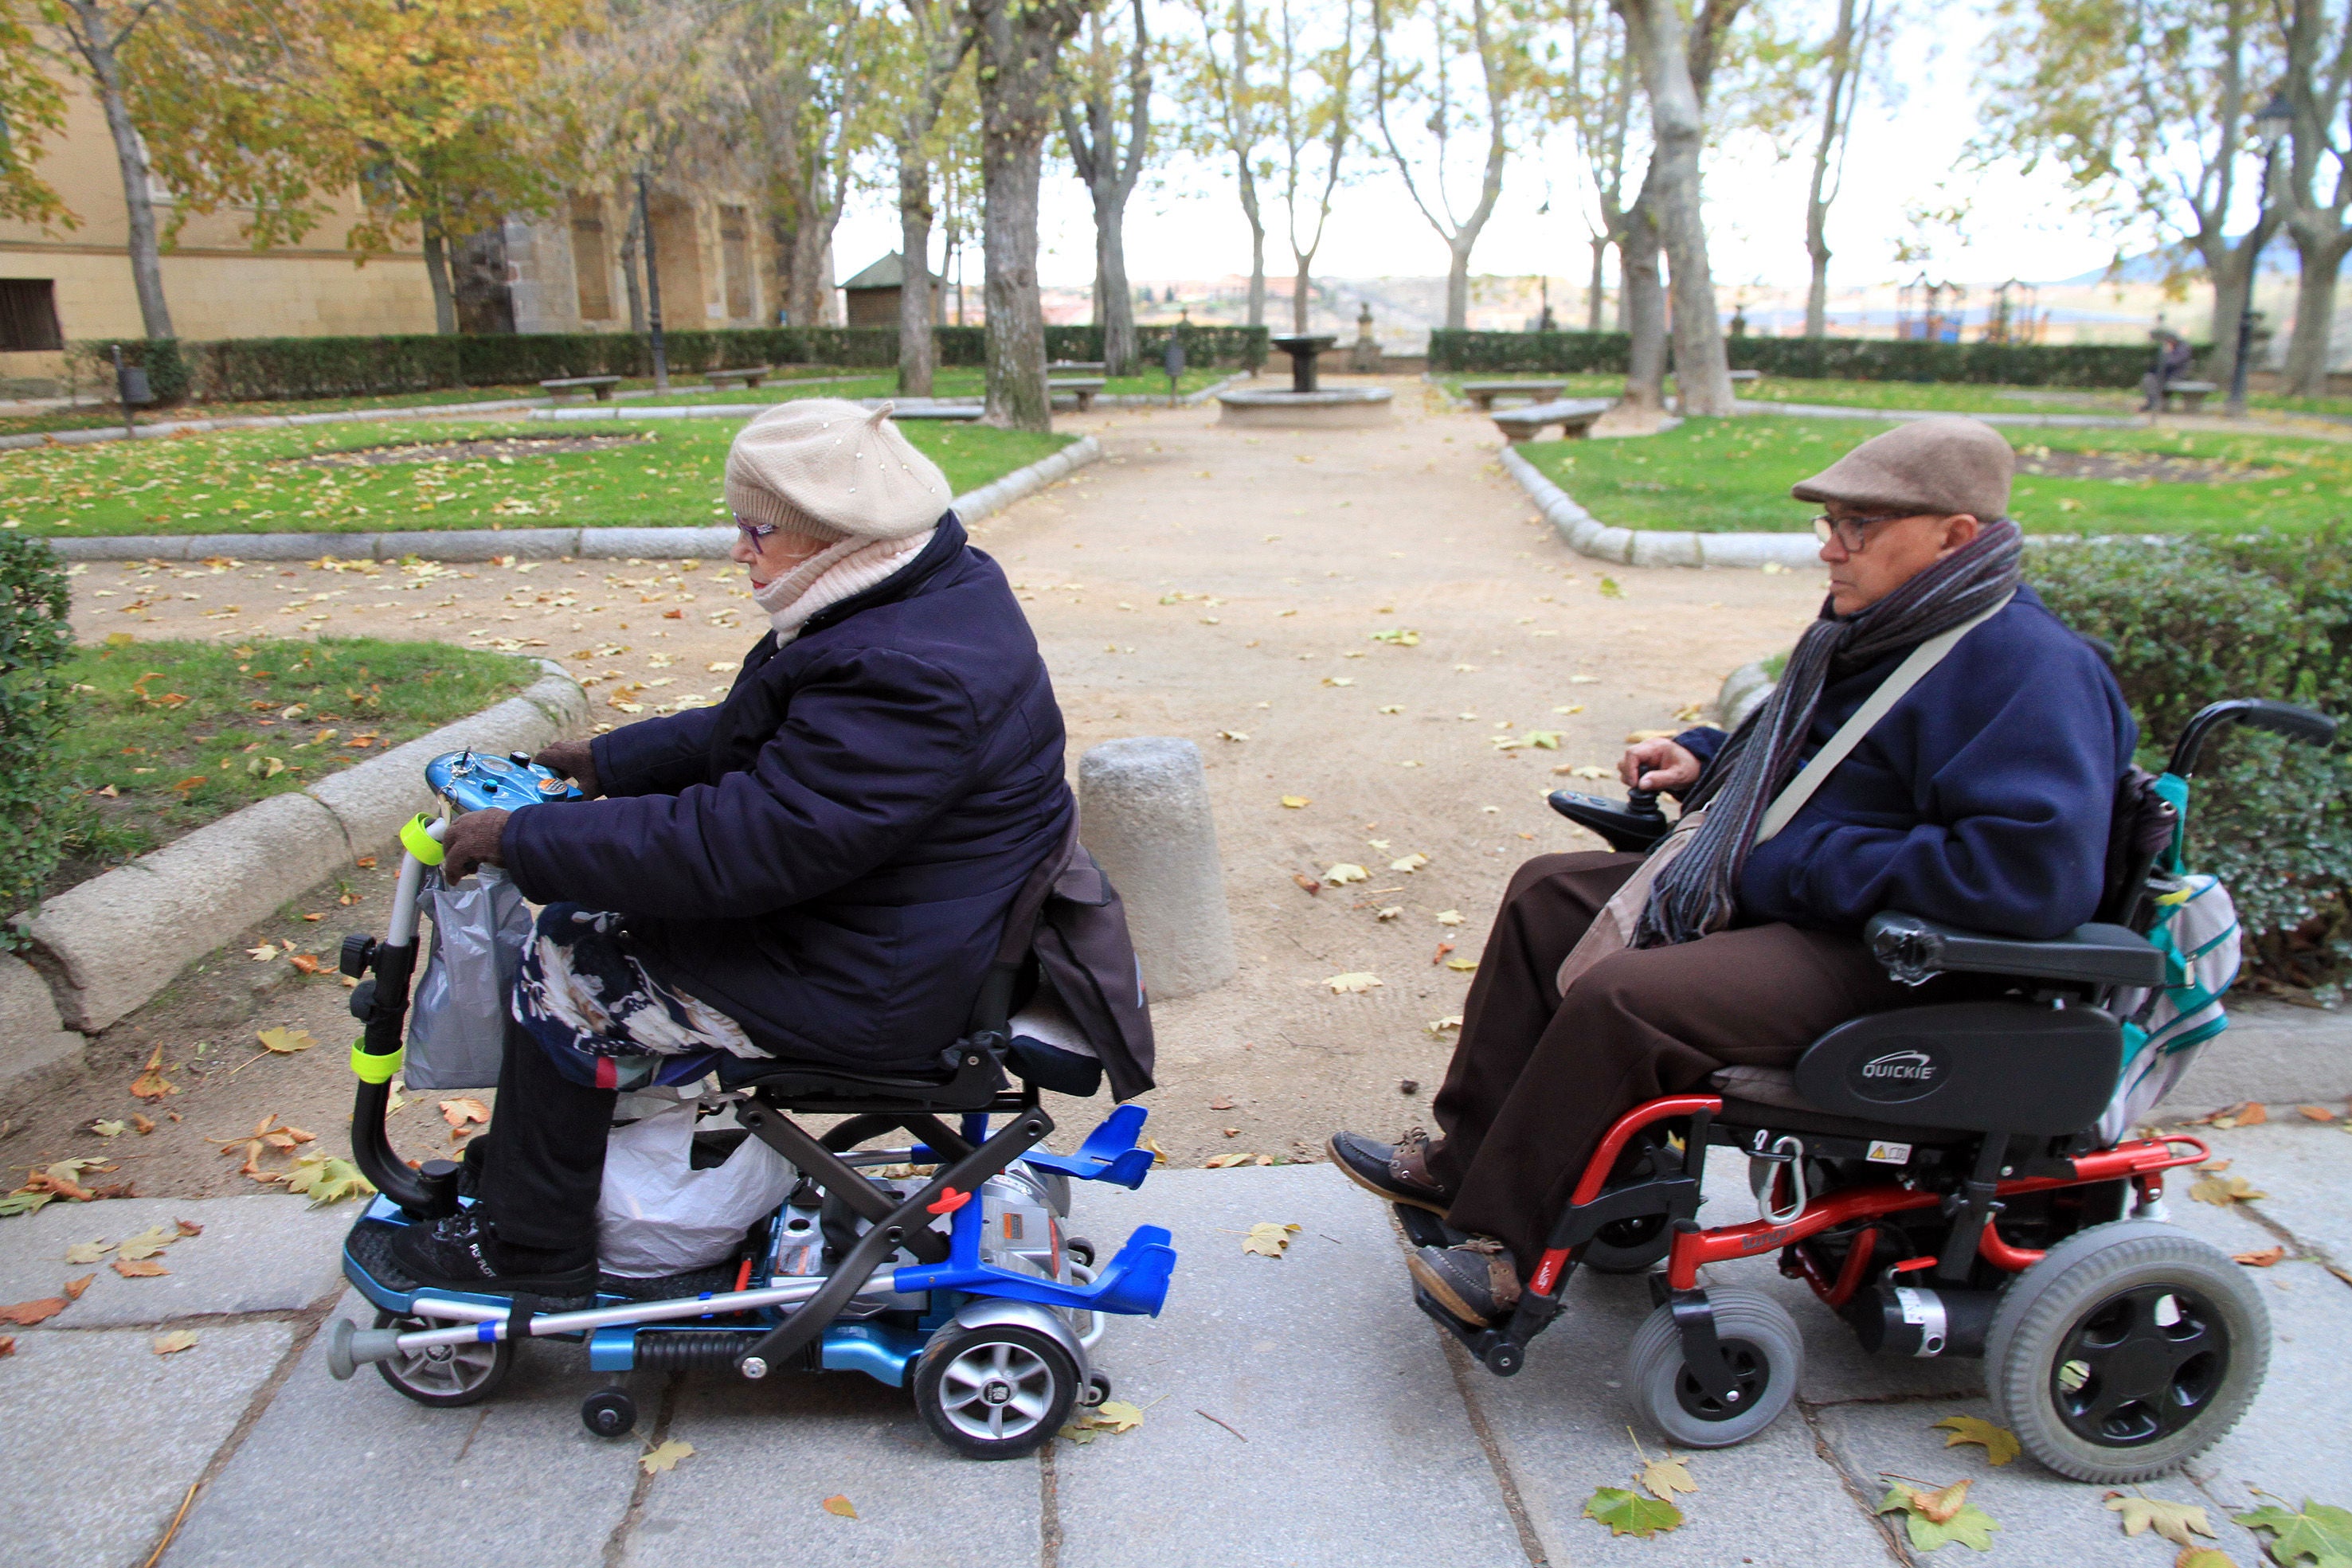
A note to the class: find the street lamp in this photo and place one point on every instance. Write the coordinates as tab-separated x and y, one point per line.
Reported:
2271	125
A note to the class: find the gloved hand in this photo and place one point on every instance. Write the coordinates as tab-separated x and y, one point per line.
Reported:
472	842
576	761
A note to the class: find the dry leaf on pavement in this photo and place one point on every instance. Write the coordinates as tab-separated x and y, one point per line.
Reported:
463	1109
665	1458
2250	1114
7	1344
1346	872
148	1242
1439	1026
74	1286
151	1083
1998	1443
1938	1517
1665	1477
187	1227
1449	918
24	1314
89	1251
2173	1521
109	1129
1631	1513
286	1041
173	1343
1353	982
2223	1191
836	1505
2261	1258
2203	1557
1295	802
138	1268
1267	1239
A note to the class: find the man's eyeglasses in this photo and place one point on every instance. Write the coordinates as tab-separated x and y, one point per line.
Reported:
1848	531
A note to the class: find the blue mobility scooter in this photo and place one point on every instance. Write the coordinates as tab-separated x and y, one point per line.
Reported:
942	1264
1956	1178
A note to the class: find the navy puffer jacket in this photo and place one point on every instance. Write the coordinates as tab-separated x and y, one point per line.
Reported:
827	856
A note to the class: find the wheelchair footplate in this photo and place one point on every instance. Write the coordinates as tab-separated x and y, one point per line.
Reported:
990	1322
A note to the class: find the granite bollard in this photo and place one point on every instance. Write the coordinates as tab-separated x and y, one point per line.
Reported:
1143	809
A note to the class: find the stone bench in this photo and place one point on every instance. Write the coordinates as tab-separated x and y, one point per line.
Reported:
1083	388
751	376
1078	367
1484	393
960	410
1573	416
556	387
2192	395
1740	378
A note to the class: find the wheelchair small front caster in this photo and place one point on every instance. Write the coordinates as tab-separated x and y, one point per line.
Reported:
608	1413
1081	1250
1097	1390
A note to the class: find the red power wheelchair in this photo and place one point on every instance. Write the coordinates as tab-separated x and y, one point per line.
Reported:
1936	1174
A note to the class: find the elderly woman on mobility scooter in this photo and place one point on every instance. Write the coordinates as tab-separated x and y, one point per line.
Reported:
816	868
1981	797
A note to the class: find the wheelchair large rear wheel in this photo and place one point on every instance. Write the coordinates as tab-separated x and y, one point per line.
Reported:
2130	1347
1767	1355
447	1374
995	1391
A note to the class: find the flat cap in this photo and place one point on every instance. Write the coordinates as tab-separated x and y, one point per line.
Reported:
1947	464
829	468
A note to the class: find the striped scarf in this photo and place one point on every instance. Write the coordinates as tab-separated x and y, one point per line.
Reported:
1698	892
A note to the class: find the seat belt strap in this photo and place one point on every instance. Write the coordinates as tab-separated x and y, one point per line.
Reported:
1891	690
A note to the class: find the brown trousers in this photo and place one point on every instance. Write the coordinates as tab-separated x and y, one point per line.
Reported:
1537	1081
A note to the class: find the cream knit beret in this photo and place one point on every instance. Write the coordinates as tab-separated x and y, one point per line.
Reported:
833	469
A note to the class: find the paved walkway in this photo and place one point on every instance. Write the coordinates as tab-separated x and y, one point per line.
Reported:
1297	1411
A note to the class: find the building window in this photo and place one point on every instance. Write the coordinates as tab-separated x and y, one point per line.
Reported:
29	315
592	264
735	256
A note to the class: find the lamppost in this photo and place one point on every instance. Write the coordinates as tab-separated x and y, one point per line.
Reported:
2271	127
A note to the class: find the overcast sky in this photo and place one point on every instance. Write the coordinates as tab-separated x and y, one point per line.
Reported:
1187	224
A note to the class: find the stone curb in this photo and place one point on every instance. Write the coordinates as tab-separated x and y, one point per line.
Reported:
109	945
1587	535
692	543
1905	415
1744	691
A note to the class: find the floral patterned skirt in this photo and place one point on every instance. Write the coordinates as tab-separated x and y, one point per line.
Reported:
603	1018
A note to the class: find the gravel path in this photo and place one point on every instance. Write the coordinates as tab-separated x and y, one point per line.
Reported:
1200	582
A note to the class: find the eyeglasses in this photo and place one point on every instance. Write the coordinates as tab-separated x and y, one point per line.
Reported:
1848	531
754	532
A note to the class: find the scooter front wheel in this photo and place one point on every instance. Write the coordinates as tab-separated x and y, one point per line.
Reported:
445	1375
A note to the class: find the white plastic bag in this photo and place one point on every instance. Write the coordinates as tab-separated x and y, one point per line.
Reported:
458	1020
658	1216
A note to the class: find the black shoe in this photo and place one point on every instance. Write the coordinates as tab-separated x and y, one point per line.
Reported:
1396	1172
462	1253
1476	1281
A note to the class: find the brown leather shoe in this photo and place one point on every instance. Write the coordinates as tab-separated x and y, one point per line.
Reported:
1475	1281
1395	1172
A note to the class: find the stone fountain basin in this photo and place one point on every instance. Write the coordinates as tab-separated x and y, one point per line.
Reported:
1329	408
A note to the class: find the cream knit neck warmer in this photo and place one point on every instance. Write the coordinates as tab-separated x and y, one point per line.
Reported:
834	573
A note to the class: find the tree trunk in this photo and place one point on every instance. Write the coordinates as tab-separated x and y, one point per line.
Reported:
1019	42
1118	295
1641	303
88	30
1828	153
1257	253
1457	278
436	273
1302	286
2320	256
916	354
1672	194
629	272
2233	269
1592	301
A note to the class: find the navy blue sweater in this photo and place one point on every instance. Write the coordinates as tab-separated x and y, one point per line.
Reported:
1982	799
827	856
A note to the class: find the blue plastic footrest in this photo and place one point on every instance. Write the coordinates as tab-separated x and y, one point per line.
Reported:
1110	1152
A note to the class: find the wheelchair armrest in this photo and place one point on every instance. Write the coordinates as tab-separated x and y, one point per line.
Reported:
1625	831
1912	948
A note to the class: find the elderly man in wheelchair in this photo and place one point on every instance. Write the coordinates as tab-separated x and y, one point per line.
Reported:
1888	953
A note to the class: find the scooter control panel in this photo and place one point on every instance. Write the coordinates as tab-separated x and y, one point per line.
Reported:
479	780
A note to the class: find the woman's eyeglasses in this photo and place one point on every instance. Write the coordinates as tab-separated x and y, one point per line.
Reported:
1848	531
754	532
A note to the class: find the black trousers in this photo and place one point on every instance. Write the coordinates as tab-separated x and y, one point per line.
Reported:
542	1161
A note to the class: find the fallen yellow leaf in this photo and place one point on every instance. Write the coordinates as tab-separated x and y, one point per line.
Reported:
1267	1239
836	1505
1352	983
666	1457
286	1042
175	1341
1294	802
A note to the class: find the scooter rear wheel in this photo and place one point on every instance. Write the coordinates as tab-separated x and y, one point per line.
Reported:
445	1375
995	1391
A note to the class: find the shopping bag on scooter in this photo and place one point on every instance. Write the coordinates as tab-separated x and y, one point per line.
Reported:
457	1018
659	1216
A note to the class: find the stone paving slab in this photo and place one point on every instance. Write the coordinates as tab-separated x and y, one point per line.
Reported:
2045	1519
1563	1422
338	1474
100	1438
1350	1443
2302	1165
767	1456
2292	1441
263	1253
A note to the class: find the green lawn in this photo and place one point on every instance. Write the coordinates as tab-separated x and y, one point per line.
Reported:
165	737
1944	397
1724	476
655	473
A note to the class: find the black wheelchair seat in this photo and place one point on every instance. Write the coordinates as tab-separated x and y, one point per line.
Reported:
1767	1098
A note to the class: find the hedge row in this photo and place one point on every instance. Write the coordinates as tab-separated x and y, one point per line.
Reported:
1845	359
2263	616
36	804
246	369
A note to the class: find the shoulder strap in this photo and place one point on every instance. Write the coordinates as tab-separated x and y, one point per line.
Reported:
1891	690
